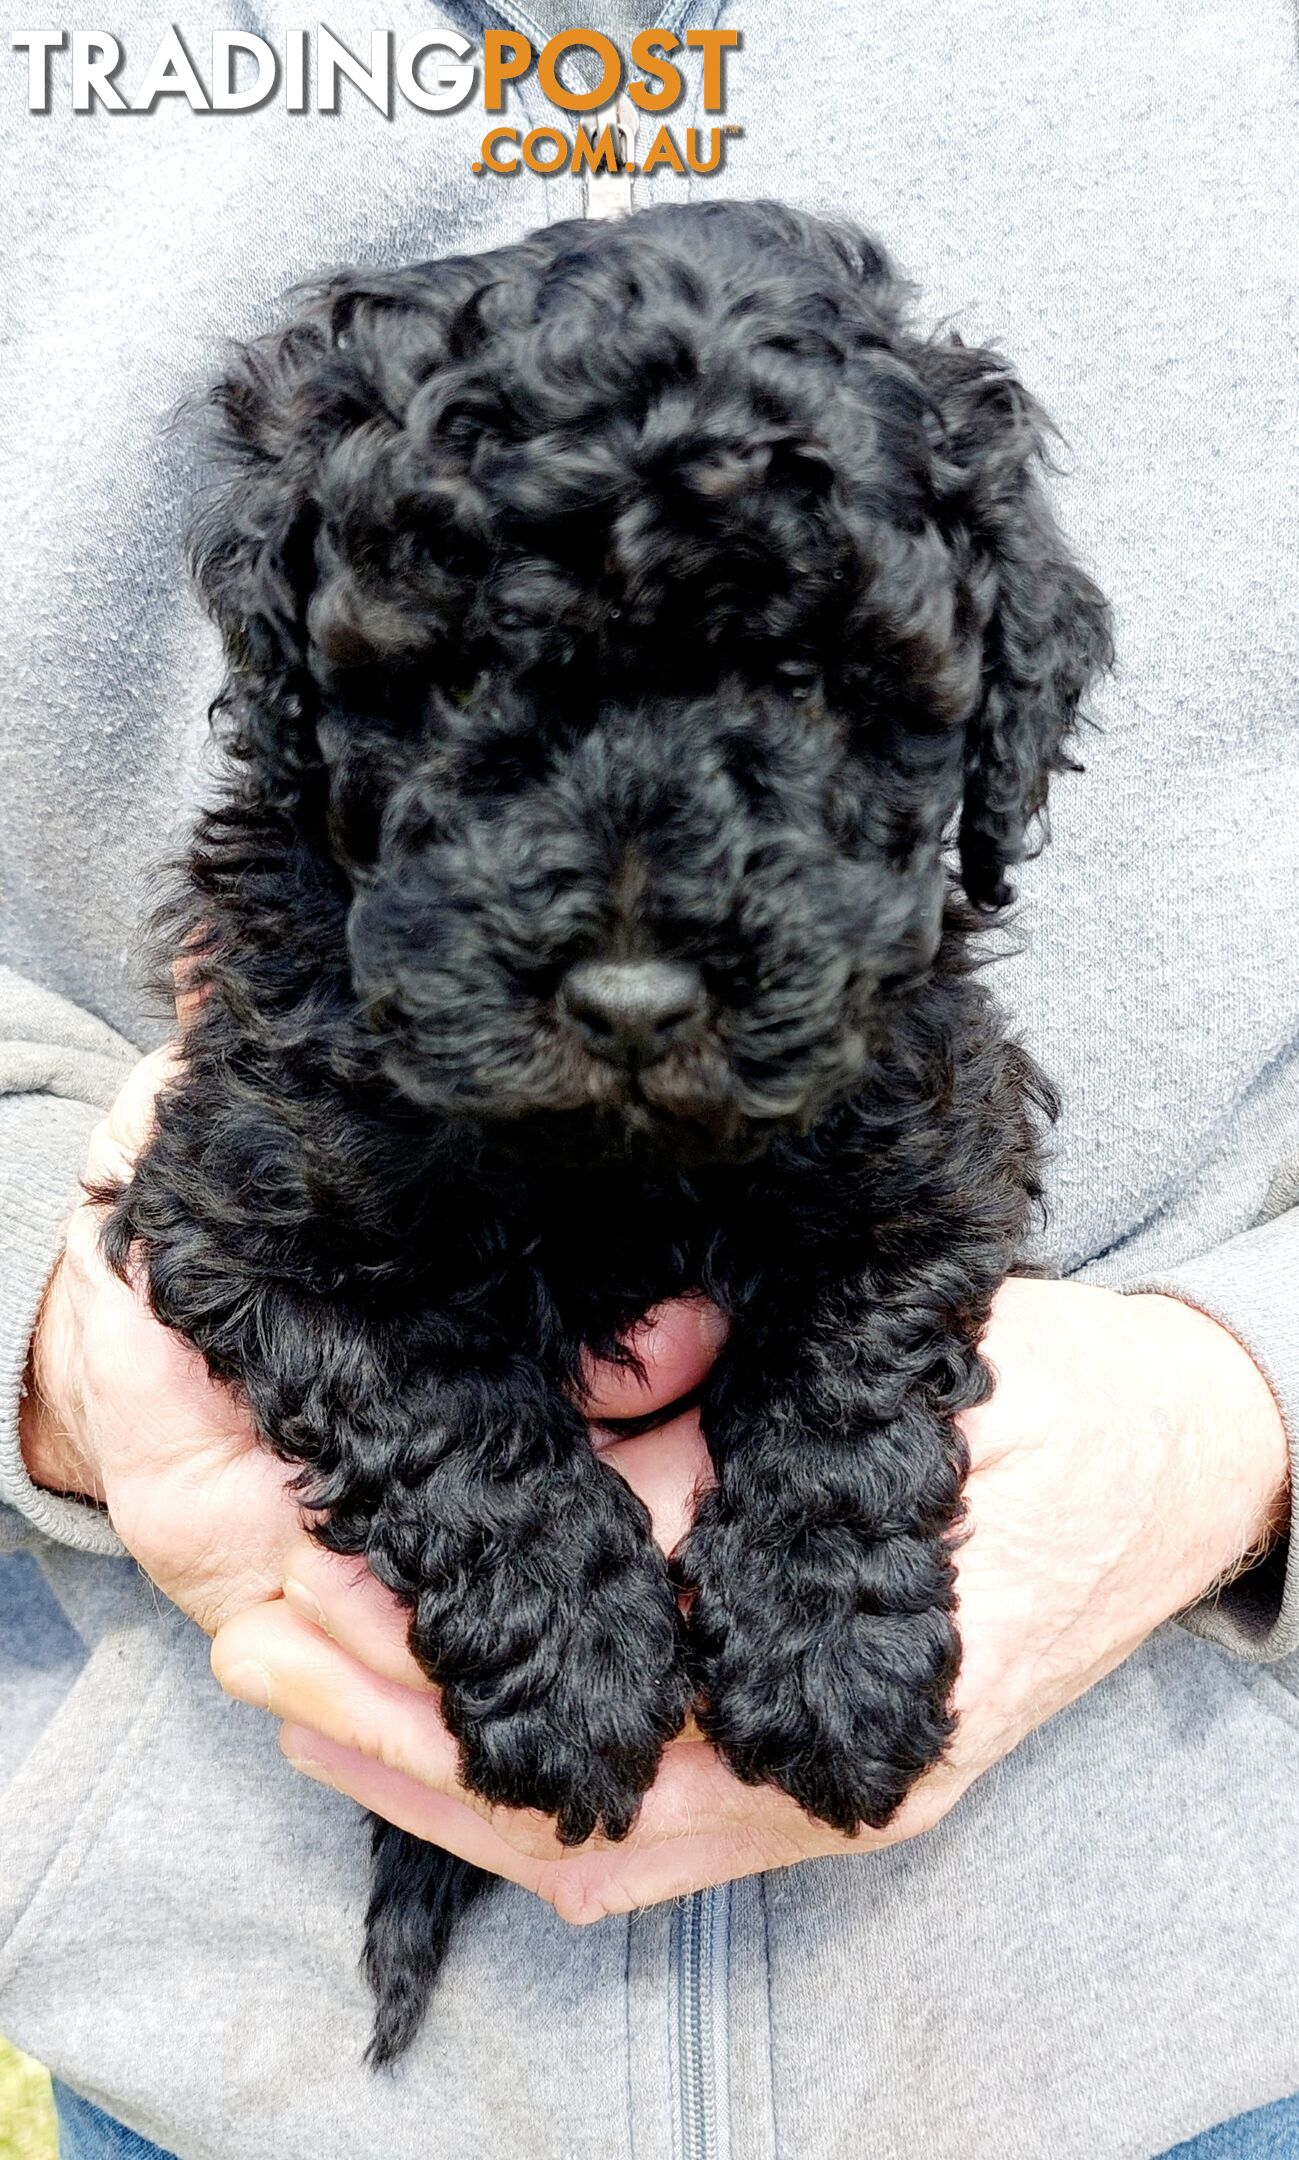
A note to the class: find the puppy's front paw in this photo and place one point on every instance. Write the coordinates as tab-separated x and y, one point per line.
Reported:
585	1762
569	1686
824	1659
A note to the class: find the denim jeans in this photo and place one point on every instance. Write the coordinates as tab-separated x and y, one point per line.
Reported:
85	2133
1269	2133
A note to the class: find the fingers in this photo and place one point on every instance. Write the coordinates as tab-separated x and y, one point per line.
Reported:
385	1745
343	1599
676	1345
403	1800
582	1886
270	1657
273	1658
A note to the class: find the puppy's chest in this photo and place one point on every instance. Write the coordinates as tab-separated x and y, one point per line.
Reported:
604	1248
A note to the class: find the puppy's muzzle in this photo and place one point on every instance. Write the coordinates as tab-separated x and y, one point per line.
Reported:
632	1012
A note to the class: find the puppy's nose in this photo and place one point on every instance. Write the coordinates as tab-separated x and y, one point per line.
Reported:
632	1010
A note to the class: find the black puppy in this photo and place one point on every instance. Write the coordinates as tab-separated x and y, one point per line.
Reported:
620	629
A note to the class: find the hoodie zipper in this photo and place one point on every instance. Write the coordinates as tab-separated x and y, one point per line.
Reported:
609	194
701	1969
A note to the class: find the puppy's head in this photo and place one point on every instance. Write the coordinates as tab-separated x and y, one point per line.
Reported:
636	615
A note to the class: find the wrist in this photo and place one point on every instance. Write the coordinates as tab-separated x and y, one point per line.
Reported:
53	1447
1227	1442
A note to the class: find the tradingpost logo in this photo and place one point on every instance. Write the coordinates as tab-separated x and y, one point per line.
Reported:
439	71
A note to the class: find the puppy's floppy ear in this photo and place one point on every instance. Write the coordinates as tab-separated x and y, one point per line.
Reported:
252	547
1045	626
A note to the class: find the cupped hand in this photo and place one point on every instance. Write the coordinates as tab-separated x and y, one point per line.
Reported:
1130	1457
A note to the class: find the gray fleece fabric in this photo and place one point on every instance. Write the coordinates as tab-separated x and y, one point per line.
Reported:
1097	1955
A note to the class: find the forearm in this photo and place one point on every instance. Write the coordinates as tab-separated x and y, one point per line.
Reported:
1249	1287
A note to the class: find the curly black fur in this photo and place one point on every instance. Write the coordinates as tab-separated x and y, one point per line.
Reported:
647	591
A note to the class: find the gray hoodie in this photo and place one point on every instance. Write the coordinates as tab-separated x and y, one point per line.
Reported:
1098	1953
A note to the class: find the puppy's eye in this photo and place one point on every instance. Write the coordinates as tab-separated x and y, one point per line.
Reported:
798	678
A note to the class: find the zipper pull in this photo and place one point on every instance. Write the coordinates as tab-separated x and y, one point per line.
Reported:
609	194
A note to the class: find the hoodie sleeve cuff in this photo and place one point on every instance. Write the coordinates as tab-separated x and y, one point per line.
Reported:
1250	1285
43	1142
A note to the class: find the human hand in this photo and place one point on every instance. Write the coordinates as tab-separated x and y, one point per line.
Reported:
1130	1457
120	1409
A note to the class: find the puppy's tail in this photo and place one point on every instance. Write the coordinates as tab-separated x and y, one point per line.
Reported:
417	1893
